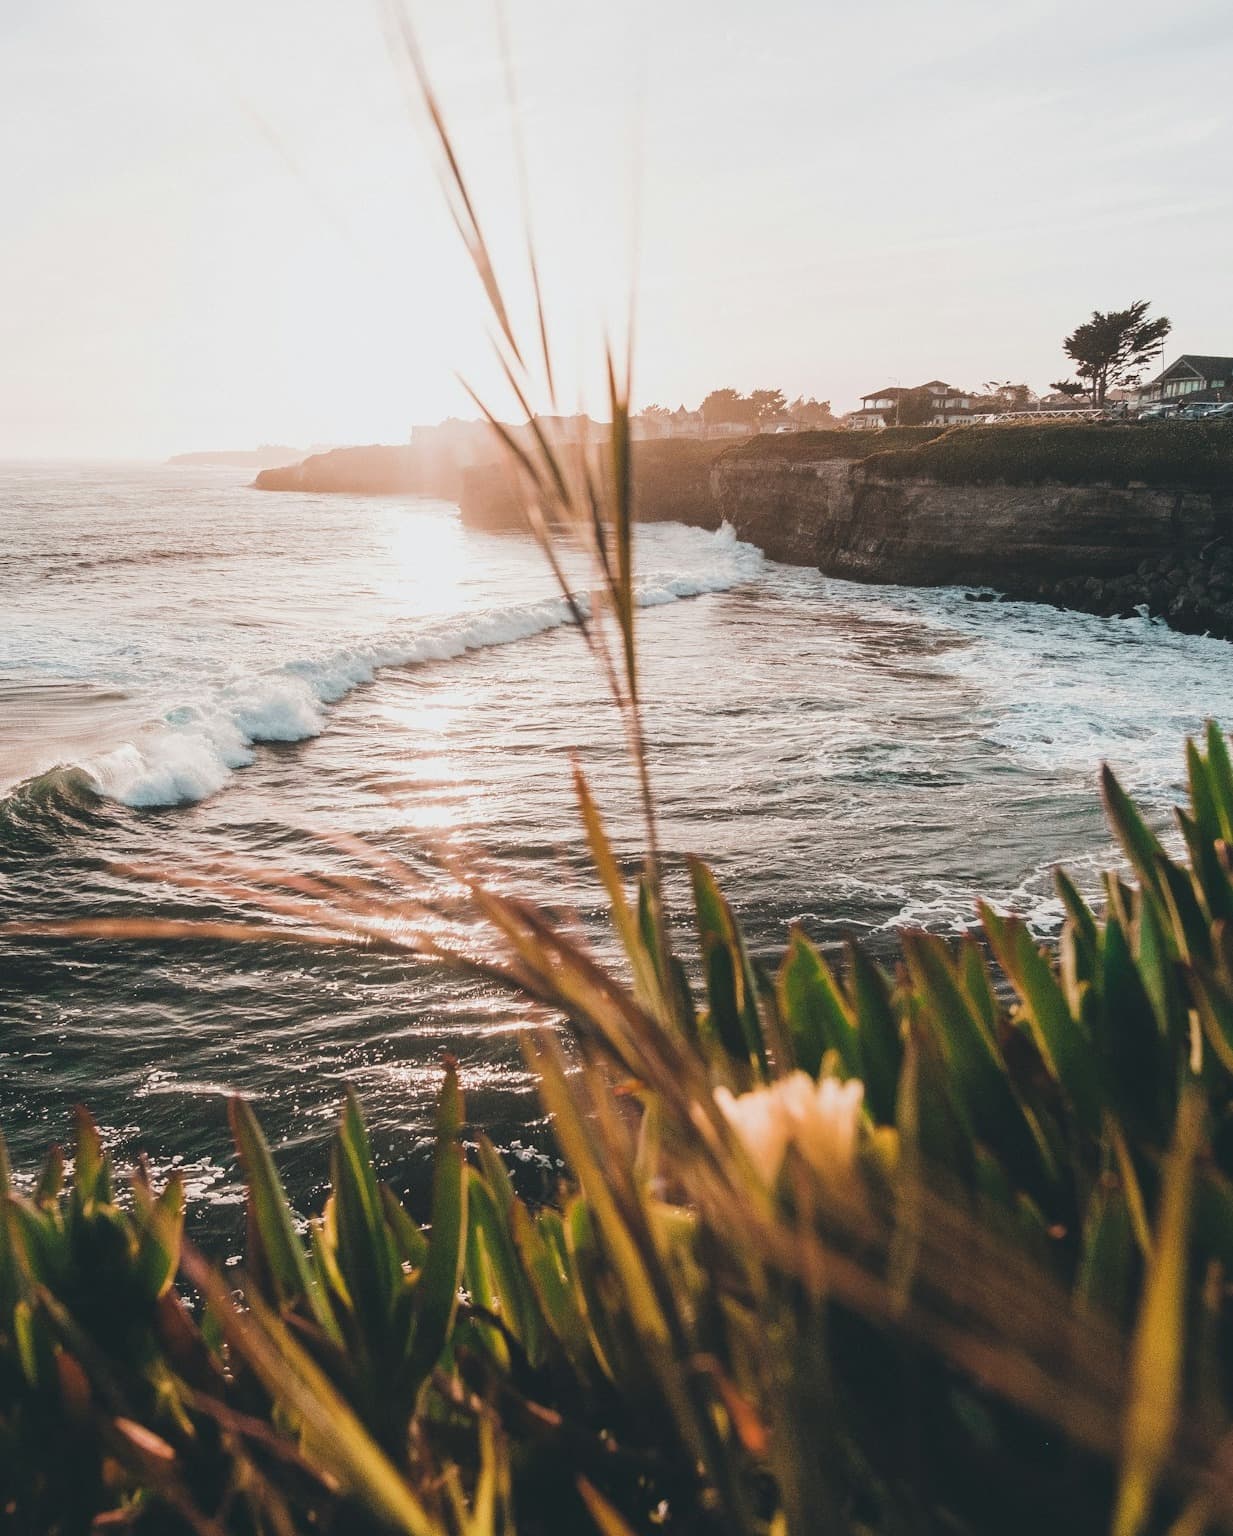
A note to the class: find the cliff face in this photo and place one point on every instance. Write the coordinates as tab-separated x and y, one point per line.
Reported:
1106	549
671	481
848	521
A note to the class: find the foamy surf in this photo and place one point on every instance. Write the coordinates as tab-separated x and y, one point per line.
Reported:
194	749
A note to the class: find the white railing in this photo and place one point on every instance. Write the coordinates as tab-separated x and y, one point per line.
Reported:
1008	418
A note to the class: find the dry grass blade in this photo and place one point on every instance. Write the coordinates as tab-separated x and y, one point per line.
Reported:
454	183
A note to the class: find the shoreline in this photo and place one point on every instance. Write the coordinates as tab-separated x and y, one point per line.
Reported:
1105	519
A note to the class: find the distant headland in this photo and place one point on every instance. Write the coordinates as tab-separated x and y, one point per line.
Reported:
266	456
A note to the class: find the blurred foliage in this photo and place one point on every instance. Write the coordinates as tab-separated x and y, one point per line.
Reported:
938	1250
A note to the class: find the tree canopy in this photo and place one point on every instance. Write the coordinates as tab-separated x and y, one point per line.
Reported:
813	413
726	405
1111	350
914	407
1004	395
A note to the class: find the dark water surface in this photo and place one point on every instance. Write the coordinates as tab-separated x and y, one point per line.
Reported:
190	670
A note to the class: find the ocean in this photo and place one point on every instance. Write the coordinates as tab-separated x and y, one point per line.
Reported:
192	672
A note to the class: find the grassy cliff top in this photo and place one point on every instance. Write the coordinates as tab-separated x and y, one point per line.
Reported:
1189	454
833	443
1192	454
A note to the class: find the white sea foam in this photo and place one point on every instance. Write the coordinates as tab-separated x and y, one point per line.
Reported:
1059	692
194	749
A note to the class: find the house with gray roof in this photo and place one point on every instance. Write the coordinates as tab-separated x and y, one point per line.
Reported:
1192	377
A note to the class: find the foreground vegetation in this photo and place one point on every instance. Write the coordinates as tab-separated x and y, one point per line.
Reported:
943	1250
837	1250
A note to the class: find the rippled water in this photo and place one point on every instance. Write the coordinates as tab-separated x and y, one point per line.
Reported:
190	668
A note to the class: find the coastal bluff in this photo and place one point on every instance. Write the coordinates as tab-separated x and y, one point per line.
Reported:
1106	518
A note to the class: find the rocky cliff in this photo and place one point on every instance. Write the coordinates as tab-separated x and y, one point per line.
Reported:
1104	547
849	521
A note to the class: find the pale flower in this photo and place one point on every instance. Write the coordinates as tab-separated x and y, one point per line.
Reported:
820	1119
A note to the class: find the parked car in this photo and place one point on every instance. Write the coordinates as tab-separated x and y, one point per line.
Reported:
1197	411
1223	412
1157	413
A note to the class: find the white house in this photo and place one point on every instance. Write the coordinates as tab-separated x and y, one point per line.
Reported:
880	409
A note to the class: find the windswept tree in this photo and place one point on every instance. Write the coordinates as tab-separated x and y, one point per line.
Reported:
1112	350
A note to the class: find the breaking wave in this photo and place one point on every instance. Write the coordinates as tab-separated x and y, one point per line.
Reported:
195	748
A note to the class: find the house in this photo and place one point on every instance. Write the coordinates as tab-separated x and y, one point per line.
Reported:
880	409
1191	378
683	423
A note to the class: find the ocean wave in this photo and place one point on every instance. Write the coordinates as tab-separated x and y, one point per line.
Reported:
194	749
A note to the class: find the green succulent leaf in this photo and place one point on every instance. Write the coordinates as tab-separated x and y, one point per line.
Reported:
276	1249
436	1296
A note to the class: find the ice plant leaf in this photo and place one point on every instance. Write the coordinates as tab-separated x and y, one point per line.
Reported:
1061	1039
366	1254
161	1227
437	1294
1220	776
1159	1340
815	1011
280	1255
1142	848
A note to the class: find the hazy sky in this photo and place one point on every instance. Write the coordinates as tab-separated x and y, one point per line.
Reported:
219	225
